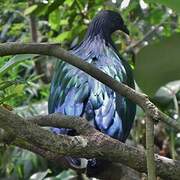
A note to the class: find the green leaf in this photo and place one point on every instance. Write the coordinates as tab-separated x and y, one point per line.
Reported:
63	22
65	175
80	4
53	6
14	61
6	98
41	9
30	9
54	19
18	89
158	64
173	4
40	175
69	2
6	84
64	36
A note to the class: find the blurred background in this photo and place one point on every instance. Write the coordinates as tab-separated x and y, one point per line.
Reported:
152	49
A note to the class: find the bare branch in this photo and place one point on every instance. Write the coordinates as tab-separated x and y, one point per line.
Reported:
54	50
81	125
150	149
138	43
93	145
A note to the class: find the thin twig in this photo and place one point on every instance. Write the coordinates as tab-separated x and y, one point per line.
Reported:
39	66
150	149
146	36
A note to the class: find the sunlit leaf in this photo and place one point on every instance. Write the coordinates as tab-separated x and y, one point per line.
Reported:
63	36
63	22
19	89
54	19
64	175
69	2
6	84
7	98
30	9
40	175
14	61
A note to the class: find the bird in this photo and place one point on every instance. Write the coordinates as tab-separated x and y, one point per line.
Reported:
75	93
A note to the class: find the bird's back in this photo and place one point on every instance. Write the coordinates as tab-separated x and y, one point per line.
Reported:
75	93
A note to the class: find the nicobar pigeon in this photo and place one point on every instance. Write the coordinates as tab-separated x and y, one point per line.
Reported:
76	93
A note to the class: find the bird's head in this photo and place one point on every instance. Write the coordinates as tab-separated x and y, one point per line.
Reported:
106	22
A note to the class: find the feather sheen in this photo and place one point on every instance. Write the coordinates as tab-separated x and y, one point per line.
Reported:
75	93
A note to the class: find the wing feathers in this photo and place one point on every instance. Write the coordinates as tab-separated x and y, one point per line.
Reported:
75	93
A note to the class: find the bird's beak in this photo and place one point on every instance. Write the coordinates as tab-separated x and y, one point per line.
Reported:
125	29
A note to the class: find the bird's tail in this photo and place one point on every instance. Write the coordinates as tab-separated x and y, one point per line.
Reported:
93	167
97	166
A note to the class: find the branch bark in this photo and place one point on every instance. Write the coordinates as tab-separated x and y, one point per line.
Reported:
54	50
90	144
150	149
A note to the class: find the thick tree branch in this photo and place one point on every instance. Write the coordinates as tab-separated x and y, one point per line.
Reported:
114	171
94	144
54	50
79	124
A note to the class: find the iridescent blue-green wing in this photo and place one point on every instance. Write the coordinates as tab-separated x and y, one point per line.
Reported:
69	90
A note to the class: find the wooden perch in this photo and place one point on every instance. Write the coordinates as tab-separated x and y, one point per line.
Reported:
90	143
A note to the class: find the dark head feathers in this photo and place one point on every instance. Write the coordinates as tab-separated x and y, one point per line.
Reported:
105	23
